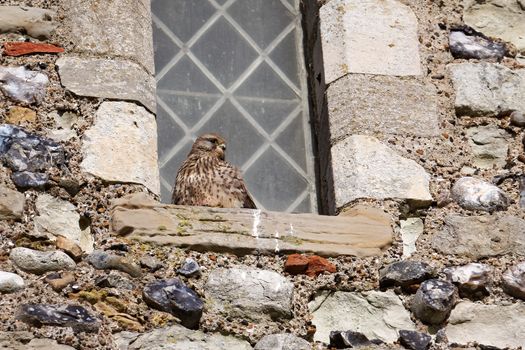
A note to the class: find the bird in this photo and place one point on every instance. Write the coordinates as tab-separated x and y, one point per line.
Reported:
205	178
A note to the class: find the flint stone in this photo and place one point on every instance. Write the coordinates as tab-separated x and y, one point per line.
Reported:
514	281
11	204
251	293
502	19
10	282
349	339
489	146
36	22
360	103
434	300
175	297
478	237
488	325
366	168
465	42
414	340
57	217
38	262
189	268
102	260
178	338
378	315
115	79
73	316
480	92
373	36
121	29
475	194
27	179
23	85
472	279
122	145
282	341
410	229
404	274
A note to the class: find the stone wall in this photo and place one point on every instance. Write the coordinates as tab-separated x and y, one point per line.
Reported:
418	112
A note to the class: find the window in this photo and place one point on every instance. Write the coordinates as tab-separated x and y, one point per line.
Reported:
236	67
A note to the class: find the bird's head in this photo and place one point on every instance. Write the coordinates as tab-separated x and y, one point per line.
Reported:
212	144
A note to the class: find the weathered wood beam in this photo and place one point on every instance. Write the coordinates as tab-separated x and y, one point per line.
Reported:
363	232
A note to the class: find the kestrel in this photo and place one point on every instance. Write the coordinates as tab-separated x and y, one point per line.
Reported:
206	179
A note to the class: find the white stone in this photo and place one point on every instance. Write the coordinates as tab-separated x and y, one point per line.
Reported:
252	293
11	203
369	36
367	104
411	229
117	28
106	78
489	325
476	194
365	168
121	146
10	282
282	341
39	262
487	89
57	217
504	19
36	22
378	315
23	85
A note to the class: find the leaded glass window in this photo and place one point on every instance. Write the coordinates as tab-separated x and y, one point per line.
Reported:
236	67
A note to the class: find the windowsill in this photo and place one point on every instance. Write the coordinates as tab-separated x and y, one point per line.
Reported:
365	232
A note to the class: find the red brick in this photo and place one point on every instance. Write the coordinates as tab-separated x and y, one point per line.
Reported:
296	264
318	265
24	48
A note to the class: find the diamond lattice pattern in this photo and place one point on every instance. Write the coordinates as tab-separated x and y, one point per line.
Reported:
235	67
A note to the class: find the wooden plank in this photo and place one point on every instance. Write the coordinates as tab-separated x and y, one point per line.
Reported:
364	232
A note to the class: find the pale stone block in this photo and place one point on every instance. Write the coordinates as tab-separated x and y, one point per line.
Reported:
122	145
369	36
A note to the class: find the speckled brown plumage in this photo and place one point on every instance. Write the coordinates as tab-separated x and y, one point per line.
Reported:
206	179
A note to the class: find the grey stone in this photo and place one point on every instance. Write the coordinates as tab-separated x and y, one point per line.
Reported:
175	297
11	203
504	19
57	217
480	90
26	341
404	274
410	229
38	262
475	194
414	340
64	126
375	314
366	168
189	268
465	42
477	237
362	103
434	300
282	341
488	325
517	118
122	145
36	22
472	279
114	280
121	29
102	260
23	85
117	79
10	282
489	146
514	281
73	316
251	293
376	37
151	263
178	338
